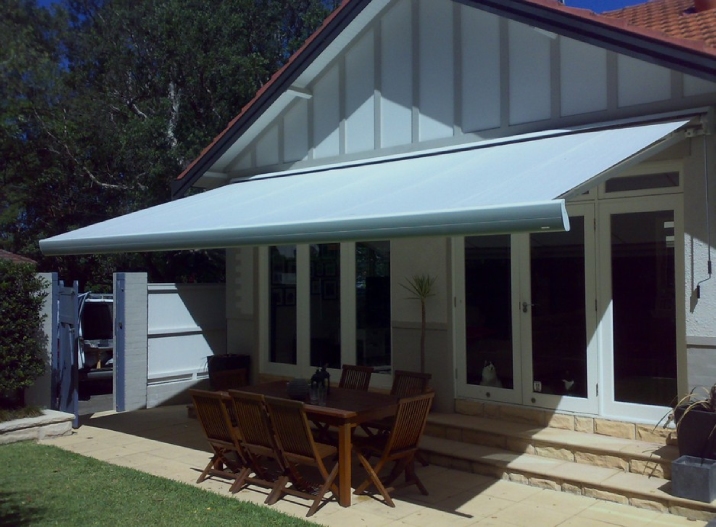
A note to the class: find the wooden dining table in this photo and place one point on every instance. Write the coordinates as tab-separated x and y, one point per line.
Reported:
344	409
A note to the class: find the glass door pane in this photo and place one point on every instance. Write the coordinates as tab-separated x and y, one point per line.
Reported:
644	306
559	331
373	346
325	305
488	311
282	305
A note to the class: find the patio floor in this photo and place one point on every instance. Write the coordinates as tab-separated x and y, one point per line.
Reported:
167	443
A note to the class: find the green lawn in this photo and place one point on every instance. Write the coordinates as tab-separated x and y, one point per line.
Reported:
44	485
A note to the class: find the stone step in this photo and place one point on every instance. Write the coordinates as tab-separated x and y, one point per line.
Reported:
610	484
627	455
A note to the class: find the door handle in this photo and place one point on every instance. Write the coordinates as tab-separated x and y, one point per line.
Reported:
526	305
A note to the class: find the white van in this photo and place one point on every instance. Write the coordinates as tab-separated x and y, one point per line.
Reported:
96	335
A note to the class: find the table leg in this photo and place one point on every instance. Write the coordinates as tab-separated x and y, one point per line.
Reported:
344	465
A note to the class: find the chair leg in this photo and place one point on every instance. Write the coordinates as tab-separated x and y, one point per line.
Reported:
397	470
240	480
209	467
423	460
412	477
322	491
276	490
374	478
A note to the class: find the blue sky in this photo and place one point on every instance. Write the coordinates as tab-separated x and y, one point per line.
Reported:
599	6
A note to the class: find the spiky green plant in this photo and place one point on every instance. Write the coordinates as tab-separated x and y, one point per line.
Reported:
420	286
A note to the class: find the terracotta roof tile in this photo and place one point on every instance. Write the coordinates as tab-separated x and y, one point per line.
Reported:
674	18
16	258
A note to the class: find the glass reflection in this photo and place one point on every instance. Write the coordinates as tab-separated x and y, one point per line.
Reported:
488	313
282	304
373	347
325	305
644	303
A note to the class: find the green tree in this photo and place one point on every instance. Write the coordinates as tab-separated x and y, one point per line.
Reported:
120	97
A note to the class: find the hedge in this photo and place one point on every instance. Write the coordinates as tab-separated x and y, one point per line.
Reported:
22	342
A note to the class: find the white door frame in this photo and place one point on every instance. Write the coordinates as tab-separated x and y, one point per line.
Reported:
590	404
611	407
523	393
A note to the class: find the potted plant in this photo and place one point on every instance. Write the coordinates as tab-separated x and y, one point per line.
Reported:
693	474
695	418
421	287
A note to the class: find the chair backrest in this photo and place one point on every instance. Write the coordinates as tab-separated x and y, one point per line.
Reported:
355	377
253	422
409	422
213	415
293	432
409	383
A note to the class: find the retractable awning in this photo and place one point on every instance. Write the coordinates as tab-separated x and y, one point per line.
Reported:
513	185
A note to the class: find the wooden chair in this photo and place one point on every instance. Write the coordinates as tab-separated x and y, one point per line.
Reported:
298	448
258	443
355	377
229	460
399	446
409	383
405	384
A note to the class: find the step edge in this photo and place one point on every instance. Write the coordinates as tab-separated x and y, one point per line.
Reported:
659	496
569	438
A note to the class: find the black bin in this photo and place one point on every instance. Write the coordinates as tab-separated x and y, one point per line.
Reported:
228	371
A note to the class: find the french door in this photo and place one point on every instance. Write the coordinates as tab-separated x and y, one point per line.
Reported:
641	309
526	317
558	316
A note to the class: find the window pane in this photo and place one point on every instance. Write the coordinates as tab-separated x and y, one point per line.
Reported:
282	345
559	332
644	301
373	305
643	182
325	305
488	312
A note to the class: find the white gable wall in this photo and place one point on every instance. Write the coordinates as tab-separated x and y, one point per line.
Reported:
360	96
396	79
583	70
435	72
480	94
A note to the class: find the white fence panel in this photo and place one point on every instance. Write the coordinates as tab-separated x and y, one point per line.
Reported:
187	322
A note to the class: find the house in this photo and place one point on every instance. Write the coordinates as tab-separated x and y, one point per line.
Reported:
554	169
16	258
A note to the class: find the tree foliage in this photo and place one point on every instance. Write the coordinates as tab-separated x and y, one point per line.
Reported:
22	343
104	102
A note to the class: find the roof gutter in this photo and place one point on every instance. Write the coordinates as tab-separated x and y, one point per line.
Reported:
293	70
597	33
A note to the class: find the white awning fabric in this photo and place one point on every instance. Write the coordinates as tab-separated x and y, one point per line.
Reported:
517	184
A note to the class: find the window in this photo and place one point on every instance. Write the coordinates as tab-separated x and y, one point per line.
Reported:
325	305
373	346
282	302
642	182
